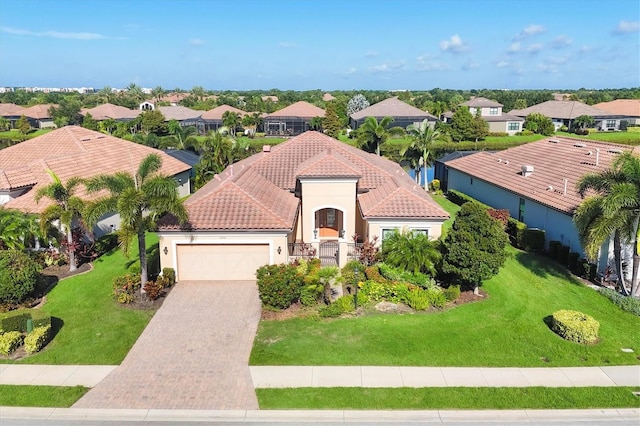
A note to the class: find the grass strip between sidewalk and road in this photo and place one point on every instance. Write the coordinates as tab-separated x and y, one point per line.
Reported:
463	398
40	396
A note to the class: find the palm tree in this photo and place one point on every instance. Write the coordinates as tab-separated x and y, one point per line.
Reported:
17	229
410	250
584	121
216	153
105	94
180	135
158	92
66	208
614	209
140	201
372	133
422	137
315	123
135	92
231	120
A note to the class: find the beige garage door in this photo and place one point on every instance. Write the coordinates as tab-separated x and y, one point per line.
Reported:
221	261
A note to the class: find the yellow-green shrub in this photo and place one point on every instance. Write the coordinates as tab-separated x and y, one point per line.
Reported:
10	341
575	326
37	339
418	299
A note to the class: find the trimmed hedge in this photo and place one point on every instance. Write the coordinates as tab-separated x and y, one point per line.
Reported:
9	342
19	276
279	285
562	255
533	239
626	303
575	326
17	320
553	248
516	231
460	198
37	339
572	261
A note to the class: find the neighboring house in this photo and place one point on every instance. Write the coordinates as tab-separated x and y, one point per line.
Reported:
402	113
212	119
327	97
185	116
268	98
147	106
491	112
440	170
562	113
39	116
74	151
291	120
110	111
536	182
625	107
11	112
312	192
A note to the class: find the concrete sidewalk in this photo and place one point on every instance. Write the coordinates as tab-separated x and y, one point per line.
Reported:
387	377
54	375
417	377
608	415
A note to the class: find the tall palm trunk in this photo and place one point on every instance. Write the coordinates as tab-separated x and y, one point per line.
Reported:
142	249
635	278
71	250
617	255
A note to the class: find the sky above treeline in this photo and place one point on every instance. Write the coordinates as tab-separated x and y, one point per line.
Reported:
328	45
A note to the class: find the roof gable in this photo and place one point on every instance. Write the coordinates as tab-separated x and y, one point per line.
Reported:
628	107
179	113
392	107
106	111
300	109
481	102
327	164
217	112
566	110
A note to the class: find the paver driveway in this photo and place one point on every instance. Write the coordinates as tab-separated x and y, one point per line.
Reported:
194	353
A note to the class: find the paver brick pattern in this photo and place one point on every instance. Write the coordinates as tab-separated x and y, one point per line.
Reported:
193	354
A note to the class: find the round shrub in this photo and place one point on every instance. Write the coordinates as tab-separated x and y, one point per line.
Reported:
575	326
279	285
19	275
451	293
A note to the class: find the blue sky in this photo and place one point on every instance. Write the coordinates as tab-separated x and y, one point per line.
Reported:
329	45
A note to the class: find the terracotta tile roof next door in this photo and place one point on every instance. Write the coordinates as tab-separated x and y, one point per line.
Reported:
300	109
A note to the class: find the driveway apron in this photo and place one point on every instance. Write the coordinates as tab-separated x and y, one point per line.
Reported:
193	354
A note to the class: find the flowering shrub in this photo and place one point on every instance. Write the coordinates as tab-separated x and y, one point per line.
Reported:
9	342
125	286
279	285
37	339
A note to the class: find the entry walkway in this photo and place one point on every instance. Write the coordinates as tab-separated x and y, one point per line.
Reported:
307	376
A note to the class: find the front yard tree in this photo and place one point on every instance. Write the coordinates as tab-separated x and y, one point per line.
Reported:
372	133
22	124
411	251
540	124
357	103
584	121
462	124
474	249
331	121
152	121
423	135
479	128
231	120
140	201
66	208
89	123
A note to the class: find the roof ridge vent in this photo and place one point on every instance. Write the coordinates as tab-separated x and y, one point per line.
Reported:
580	145
614	151
554	141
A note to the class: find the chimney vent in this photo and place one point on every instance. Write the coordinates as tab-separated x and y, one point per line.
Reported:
527	170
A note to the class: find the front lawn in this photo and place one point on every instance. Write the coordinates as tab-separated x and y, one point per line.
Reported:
89	326
454	398
627	138
506	330
40	396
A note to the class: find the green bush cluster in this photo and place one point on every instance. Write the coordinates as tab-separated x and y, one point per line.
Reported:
19	276
169	275
37	339
418	300
414	278
17	320
279	285
452	293
575	326
626	303
343	305
125	287
10	341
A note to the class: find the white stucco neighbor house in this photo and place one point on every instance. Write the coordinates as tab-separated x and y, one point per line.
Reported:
311	193
74	151
536	182
491	112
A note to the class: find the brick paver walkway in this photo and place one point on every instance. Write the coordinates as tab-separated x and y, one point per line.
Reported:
193	354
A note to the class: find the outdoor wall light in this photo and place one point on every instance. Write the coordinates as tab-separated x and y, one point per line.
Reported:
342	233
166	251
279	249
315	233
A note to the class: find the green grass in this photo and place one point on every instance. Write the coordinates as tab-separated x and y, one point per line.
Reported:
14	134
627	138
449	207
90	327
446	398
40	396
507	329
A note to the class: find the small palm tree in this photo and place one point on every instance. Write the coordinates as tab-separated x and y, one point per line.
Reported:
231	120
181	137
66	208
374	133
410	250
17	229
140	201
422	138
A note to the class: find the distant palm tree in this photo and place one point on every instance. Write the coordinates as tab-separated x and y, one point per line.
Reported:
372	133
181	137
140	201
66	208
216	153
315	123
105	94
135	92
422	138
19	230
158	92
231	120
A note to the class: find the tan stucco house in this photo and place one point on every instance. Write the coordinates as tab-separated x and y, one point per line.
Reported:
309	195
491	112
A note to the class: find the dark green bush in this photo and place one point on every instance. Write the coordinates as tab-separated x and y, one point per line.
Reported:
591	270
19	276
348	272
330	311
14	321
581	268
451	293
170	275
460	198
533	239
105	244
626	303
572	261
563	254
279	285
553	248
516	231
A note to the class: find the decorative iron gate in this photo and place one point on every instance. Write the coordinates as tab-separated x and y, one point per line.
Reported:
329	253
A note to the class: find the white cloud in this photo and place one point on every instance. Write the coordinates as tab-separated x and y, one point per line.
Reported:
287	44
534	48
548	68
387	67
626	27
470	65
371	54
54	34
196	42
428	63
454	44
529	31
514	48
351	71
502	64
517	47
561	42
558	59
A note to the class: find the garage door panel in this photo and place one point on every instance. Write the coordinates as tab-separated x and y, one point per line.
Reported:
220	261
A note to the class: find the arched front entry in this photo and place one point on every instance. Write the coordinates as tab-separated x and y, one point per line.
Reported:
329	223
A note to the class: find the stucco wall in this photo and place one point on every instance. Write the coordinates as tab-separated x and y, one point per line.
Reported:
376	226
